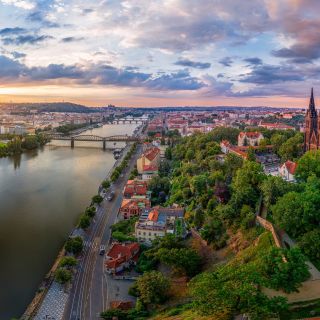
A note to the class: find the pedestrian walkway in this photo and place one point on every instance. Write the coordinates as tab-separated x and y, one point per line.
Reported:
53	304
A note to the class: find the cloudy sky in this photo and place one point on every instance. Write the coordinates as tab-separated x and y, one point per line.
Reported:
160	52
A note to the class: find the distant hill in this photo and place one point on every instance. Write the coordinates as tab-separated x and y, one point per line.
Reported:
53	107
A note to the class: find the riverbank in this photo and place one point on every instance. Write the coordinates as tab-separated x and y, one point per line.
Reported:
40	296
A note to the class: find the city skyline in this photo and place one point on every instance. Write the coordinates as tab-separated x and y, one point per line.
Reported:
159	53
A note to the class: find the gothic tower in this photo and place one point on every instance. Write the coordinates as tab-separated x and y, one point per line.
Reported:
311	138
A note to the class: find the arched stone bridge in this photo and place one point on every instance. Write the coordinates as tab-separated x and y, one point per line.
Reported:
93	138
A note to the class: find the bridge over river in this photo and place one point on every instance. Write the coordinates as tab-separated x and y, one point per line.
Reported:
93	138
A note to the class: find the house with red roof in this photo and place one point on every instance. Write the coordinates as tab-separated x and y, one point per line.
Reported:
121	256
287	170
275	126
135	188
133	207
249	138
150	158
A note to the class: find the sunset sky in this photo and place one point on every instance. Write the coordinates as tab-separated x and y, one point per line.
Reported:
160	52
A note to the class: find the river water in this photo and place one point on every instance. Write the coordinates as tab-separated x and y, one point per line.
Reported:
42	194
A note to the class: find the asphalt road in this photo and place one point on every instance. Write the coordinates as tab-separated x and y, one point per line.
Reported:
91	290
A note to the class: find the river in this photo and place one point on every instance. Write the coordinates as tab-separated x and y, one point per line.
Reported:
42	194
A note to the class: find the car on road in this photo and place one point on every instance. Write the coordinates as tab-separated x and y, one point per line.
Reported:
102	250
110	196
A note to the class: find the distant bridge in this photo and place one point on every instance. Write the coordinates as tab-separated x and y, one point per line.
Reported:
127	120
93	138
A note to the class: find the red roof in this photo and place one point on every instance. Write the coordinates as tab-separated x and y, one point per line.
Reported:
150	168
152	153
135	187
123	305
120	253
153	215
251	135
291	166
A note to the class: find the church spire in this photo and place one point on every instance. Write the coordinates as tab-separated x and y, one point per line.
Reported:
312	106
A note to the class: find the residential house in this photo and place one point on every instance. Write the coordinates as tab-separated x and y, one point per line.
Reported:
121	256
150	157
149	171
157	222
134	207
249	138
135	188
287	170
275	126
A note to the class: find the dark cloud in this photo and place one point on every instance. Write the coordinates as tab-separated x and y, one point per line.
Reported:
100	74
71	39
217	88
87	11
193	64
18	55
25	39
10	69
181	80
227	61
108	75
268	74
253	61
55	71
12	31
40	13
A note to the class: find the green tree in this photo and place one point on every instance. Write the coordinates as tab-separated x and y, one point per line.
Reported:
199	217
273	188
152	287
214	233
84	221
224	133
90	212
297	212
285	269
63	275
68	262
232	290
308	164
245	185
97	199
189	155
277	140
251	156
105	184
74	245
292	148
199	184
30	142
310	244
14	146
182	260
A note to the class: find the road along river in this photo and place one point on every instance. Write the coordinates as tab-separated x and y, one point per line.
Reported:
42	194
